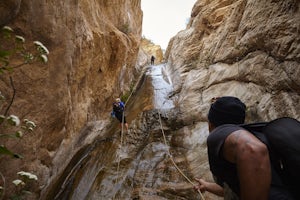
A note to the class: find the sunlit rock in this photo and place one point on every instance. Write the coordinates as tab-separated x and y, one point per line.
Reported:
152	49
241	48
93	49
248	49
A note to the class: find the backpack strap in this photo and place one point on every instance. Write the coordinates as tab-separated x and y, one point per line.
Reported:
257	130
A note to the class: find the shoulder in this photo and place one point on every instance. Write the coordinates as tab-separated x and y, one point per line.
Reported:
242	137
221	133
217	137
242	143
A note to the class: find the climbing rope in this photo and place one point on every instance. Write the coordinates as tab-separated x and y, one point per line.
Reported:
121	142
122	135
123	116
133	90
172	160
164	137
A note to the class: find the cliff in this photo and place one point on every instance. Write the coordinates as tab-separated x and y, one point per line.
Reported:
249	49
92	60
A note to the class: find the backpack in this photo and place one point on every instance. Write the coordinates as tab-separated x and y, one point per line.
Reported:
282	137
117	108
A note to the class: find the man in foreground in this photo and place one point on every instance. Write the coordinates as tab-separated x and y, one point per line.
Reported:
238	160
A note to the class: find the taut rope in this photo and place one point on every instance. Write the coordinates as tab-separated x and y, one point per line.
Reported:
122	129
164	137
172	160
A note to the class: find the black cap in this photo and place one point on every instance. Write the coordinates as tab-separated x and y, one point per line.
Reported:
227	110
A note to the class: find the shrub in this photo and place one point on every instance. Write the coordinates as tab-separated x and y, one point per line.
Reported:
14	53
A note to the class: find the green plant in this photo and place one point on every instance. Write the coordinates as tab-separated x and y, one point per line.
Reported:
14	47
127	94
21	185
125	28
15	53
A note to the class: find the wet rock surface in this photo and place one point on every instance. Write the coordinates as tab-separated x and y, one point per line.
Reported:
137	164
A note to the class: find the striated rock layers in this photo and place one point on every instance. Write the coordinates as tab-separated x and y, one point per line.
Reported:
246	48
93	58
250	49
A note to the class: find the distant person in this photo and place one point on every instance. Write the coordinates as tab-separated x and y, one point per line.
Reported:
239	161
118	112
152	60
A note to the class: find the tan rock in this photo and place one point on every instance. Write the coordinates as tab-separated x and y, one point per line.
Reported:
248	49
8	10
92	60
152	49
241	48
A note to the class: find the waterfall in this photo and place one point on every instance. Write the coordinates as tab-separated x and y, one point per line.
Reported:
162	87
144	168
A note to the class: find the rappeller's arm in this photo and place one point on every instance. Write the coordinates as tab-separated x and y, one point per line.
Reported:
122	105
252	160
211	187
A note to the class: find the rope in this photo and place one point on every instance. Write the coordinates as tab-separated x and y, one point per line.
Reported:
122	124
172	160
122	130
165	140
122	135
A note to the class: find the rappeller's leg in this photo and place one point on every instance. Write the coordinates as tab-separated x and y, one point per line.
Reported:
124	121
126	125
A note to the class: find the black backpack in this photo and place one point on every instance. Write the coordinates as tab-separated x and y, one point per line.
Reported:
282	136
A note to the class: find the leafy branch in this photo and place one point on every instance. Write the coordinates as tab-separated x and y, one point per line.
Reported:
15	53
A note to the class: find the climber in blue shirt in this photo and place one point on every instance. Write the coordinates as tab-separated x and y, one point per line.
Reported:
118	112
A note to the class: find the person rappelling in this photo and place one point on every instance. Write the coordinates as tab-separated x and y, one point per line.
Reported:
118	112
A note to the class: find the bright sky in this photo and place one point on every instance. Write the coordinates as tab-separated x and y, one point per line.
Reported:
163	19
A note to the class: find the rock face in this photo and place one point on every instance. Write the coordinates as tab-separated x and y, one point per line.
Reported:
92	60
139	163
8	10
152	49
249	49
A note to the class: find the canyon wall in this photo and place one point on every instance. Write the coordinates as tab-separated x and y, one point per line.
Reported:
244	48
249	49
94	47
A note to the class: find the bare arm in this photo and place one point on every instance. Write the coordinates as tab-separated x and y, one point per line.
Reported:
252	160
211	187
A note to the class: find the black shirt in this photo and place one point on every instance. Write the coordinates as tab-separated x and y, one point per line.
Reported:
226	172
